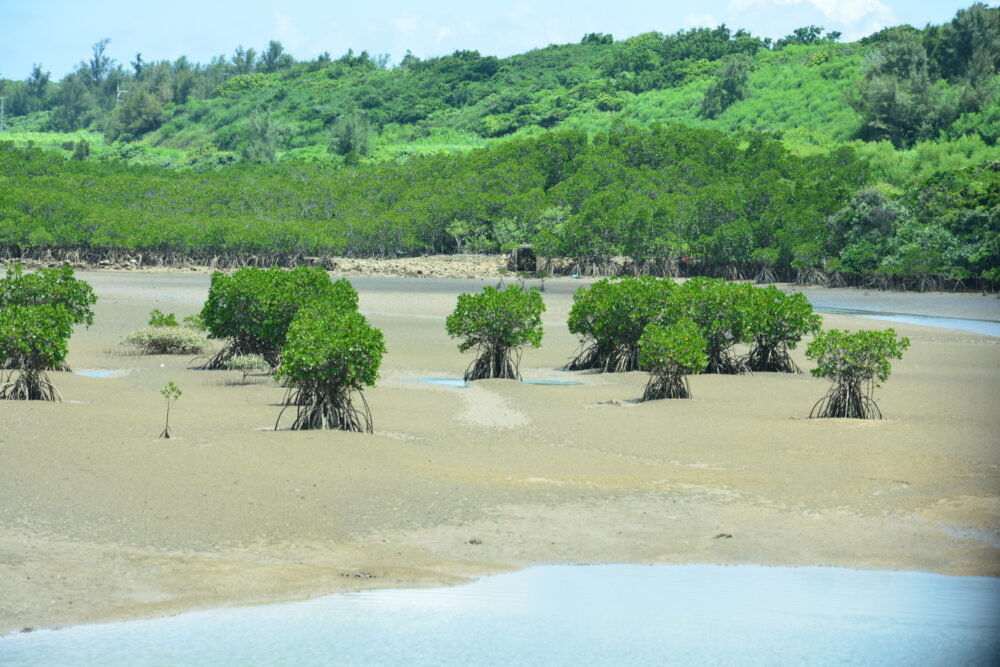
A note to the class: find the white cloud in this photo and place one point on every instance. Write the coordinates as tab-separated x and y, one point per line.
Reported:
701	21
443	33
854	18
851	11
842	11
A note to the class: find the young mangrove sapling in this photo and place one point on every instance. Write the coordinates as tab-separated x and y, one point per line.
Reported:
329	356
720	309
34	339
610	316
170	393
46	287
498	324
776	323
670	354
856	363
253	308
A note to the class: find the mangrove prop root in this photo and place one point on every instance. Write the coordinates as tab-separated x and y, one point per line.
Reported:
17	363
218	362
29	387
621	359
494	363
320	410
846	400
666	386
725	363
235	349
591	356
770	360
766	275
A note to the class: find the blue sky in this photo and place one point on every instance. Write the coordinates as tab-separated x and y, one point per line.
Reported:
59	33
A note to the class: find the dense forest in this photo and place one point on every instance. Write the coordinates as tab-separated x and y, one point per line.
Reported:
705	151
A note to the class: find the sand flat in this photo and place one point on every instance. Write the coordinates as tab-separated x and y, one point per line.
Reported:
101	520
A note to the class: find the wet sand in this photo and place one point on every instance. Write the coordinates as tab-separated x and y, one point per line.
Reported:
101	520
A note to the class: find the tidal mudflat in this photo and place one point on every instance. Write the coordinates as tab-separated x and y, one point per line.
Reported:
100	520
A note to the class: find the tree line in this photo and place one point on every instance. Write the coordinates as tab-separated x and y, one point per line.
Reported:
672	200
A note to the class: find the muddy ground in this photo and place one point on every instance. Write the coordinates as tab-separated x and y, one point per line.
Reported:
100	519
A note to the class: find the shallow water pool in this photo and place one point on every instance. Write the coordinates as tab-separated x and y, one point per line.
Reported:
985	327
574	615
460	383
96	373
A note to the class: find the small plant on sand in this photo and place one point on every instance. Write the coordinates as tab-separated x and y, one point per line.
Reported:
610	316
158	318
720	309
166	340
856	364
247	364
36	339
254	308
671	354
170	393
330	355
777	322
46	287
195	322
498	324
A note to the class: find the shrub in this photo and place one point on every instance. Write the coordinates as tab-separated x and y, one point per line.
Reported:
776	323
330	355
45	287
254	307
195	322
855	363
37	339
720	309
247	364
498	324
166	340
610	316
158	319
671	354
49	287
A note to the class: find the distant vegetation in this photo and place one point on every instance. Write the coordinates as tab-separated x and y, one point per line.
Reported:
707	151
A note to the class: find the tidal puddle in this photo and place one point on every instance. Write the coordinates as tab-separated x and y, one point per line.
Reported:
574	615
459	382
443	382
986	327
559	383
98	373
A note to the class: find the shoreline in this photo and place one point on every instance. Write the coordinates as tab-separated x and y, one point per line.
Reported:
112	524
443	581
456	266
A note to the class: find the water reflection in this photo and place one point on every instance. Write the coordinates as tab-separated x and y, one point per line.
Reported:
611	614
